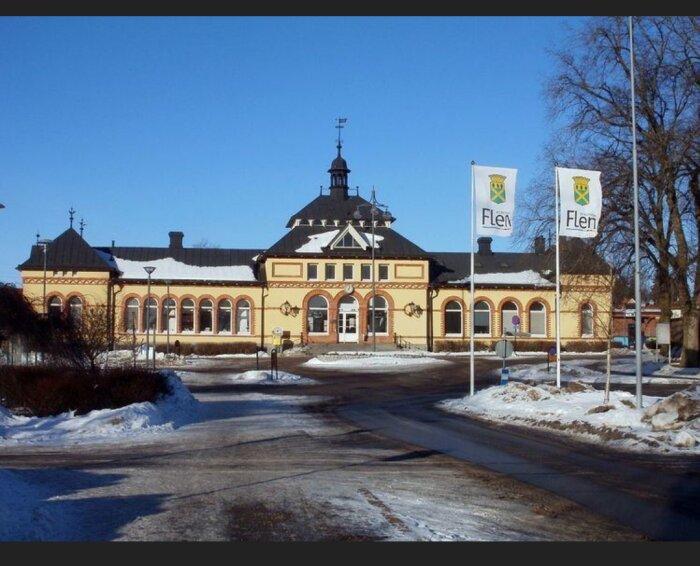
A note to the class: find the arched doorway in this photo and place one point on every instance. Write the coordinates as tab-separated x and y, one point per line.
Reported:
347	319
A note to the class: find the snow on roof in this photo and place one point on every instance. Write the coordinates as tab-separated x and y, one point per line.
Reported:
322	240
169	268
528	277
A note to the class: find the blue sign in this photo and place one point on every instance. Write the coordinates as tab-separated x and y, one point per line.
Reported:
552	351
516	320
505	372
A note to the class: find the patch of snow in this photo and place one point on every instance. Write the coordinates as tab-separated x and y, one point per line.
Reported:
317	242
167	413
580	412
169	268
528	277
270	378
348	360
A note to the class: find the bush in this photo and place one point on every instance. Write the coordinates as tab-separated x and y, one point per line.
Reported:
212	348
535	345
585	346
461	345
46	390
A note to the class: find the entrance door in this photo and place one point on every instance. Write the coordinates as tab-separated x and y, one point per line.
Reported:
347	320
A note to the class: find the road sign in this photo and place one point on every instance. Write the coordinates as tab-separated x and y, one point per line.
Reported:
276	340
504	349
277	331
516	320
552	351
663	333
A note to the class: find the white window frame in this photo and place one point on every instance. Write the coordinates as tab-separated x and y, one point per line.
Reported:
378	309
228	332
201	307
488	310
543	313
328	316
461	318
592	311
308	271
241	309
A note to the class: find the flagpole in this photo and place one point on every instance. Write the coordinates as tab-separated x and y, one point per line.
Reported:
557	298
637	290
471	290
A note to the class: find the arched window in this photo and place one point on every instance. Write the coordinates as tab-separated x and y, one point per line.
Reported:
150	314
55	307
508	311
131	315
223	317
317	319
75	308
243	317
482	319
538	319
206	315
381	315
453	319
168	315
187	315
586	319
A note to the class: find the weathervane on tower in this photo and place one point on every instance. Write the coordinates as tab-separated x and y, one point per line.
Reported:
340	125
71	213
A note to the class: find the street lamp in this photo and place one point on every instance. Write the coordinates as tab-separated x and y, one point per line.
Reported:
375	208
167	321
149	269
44	243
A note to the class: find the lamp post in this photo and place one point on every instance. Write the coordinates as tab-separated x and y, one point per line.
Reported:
374	207
44	243
149	269
167	322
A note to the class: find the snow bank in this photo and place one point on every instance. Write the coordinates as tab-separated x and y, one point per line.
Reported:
578	410
24	512
268	378
350	360
167	413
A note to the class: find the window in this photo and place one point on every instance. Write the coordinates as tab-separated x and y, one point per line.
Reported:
168	315
75	308
131	315
243	317
55	307
187	315
347	271
383	272
538	319
312	271
453	319
381	315
482	319
365	272
330	271
508	311
586	319
150	314
347	241
317	319
206	315
223	319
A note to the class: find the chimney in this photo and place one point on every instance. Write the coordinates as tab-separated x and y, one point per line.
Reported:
539	245
485	246
176	240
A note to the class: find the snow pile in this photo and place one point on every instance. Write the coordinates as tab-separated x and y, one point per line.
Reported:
169	268
270	378
366	361
668	425
167	413
528	277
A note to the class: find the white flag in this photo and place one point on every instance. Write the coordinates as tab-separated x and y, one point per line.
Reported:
580	198
495	200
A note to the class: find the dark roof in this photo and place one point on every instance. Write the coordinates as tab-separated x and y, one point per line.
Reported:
201	257
67	252
339	164
332	207
577	258
393	244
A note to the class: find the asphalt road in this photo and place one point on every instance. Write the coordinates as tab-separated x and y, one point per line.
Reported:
360	455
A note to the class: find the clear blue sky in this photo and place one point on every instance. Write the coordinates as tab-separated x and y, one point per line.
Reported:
223	127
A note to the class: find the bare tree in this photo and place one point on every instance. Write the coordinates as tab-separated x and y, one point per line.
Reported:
589	94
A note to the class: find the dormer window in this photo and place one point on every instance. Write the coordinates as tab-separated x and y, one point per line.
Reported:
348	241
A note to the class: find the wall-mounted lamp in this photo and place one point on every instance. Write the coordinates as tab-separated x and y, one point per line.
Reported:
286	309
412	309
